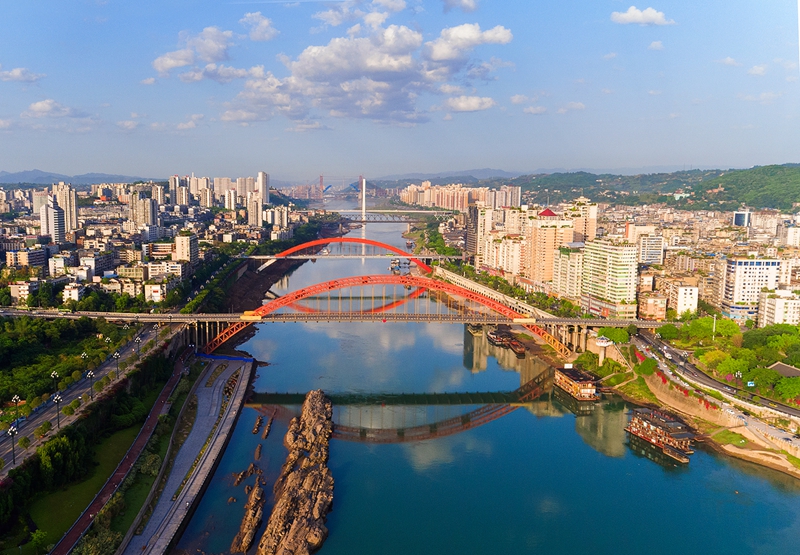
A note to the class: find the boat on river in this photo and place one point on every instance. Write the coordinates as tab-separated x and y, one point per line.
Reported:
660	429
497	339
517	347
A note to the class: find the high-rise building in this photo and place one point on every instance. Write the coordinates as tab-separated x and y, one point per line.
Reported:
39	200
262	185
186	248
230	199
174	183
744	279
742	219
255	212
67	199
608	288
183	196
159	195
584	214
568	271
780	306
546	233
52	221
206	198
651	249
479	224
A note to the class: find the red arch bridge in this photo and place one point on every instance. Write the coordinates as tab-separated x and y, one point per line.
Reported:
330	300
349	247
370	423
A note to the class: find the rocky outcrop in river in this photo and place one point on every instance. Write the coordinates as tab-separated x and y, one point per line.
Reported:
304	489
252	518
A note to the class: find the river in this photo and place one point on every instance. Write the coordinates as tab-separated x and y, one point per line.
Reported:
537	480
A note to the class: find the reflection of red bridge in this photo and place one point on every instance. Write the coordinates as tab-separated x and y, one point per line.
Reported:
407	282
451	426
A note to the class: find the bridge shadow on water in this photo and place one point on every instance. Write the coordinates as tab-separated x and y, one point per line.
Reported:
404	417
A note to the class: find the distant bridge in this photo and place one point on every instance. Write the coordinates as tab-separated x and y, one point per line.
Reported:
394	216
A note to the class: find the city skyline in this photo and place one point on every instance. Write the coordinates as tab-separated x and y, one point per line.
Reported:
395	86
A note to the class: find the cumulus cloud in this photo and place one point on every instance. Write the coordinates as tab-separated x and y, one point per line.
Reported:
729	62
519	99
148	81
374	72
757	70
763	98
191	123
221	73
469	103
483	70
341	13
305	126
571	107
5	123
455	42
391	5
51	109
610	56
653	92
210	45
20	74
128	125
261	28
535	110
648	16
656	45
463	5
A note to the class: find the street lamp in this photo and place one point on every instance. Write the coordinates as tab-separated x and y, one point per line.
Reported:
15	400
138	342
54	375
57	400
90	375
12	431
116	357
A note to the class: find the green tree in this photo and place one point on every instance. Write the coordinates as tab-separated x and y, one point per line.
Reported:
24	442
39	539
617	335
668	332
789	389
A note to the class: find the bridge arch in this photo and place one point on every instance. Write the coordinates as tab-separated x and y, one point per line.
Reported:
409	281
320	242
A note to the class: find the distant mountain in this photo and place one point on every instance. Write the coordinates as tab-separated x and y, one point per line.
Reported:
485	173
40	177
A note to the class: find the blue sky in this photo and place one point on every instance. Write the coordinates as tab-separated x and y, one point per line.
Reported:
379	87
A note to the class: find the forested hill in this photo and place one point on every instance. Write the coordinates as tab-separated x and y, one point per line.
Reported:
760	187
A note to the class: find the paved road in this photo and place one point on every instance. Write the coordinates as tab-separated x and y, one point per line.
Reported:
26	426
75	533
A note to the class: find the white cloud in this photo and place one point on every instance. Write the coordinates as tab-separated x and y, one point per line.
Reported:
610	56
519	99
5	123
469	103
757	70
455	42
450	89
447	117
535	110
571	107
191	124
391	5
344	11
148	81
304	126
654	92
606	91
261	28
171	60
764	98
128	125
728	62
51	109
648	16
656	45
463	5
210	45
373	72
221	73
792	79
20	74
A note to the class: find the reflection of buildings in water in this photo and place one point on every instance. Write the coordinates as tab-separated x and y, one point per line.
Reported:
475	352
544	406
604	429
393	417
530	368
642	448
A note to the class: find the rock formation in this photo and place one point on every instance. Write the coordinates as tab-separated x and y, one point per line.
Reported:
304	489
253	510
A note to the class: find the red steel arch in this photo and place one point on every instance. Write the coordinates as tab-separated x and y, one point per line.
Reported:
319	242
359	281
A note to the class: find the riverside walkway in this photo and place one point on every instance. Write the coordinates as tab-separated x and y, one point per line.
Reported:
74	534
209	427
